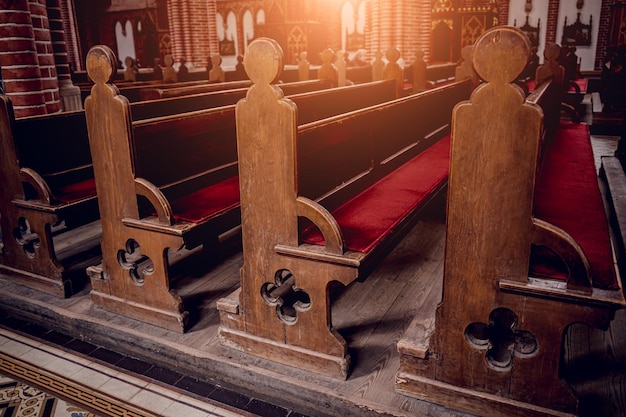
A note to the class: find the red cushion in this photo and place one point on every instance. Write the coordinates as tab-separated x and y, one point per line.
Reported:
77	191
567	195
582	84
374	213
207	202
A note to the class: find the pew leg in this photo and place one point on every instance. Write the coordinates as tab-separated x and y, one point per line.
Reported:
28	255
287	318
431	364
133	279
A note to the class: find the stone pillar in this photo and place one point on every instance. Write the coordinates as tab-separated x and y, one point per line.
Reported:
68	92
19	61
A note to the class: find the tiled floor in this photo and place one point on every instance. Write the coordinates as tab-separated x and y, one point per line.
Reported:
112	384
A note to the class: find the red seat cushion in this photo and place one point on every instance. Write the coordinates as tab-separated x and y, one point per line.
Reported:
378	210
567	195
207	202
582	84
77	191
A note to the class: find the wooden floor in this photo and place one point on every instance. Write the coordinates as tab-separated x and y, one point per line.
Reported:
371	316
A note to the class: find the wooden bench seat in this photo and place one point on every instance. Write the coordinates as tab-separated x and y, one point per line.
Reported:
519	181
567	195
132	90
360	177
396	195
171	182
290	89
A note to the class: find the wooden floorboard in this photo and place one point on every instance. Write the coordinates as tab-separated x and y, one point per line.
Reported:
371	315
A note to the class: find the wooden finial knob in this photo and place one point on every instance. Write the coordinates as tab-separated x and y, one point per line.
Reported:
327	56
466	53
101	64
552	51
392	54
263	61
501	54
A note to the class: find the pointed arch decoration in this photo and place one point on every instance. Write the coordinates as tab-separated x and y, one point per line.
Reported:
456	25
125	40
296	41
247	26
353	26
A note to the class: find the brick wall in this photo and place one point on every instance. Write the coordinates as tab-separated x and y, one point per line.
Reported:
70	29
404	24
603	32
19	61
552	21
192	30
57	36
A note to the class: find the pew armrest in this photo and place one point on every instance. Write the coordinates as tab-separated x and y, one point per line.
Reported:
555	290
36	181
555	238
325	222
162	207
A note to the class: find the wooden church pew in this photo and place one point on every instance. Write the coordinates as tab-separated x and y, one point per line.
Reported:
362	178
291	88
185	165
47	188
528	250
51	153
132	90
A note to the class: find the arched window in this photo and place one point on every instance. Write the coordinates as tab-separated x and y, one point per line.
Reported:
125	40
226	46
219	23
352	27
260	17
248	28
230	31
348	25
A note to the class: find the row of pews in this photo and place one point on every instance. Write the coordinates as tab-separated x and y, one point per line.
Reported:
334	69
317	185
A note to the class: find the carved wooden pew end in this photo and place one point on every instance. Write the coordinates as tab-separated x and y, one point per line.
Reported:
191	203
282	311
47	192
493	345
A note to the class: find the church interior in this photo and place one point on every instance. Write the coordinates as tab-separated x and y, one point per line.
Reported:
311	208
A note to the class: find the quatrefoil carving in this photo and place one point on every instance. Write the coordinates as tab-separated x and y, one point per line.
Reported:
138	265
285	296
502	339
26	238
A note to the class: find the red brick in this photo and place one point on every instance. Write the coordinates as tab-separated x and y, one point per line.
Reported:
8	16
21	31
9	73
20	86
30	111
17	45
18	58
27	99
